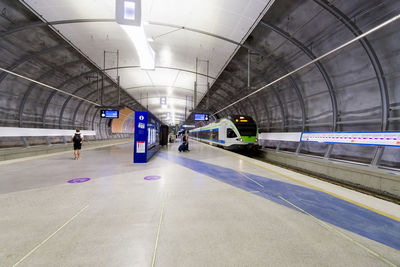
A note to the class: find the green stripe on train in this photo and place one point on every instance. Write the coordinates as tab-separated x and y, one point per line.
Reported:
249	138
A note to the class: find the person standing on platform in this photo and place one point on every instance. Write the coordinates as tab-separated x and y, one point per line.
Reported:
77	139
187	140
181	147
184	143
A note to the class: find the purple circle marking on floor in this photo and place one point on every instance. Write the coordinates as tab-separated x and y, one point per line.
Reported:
152	177
78	180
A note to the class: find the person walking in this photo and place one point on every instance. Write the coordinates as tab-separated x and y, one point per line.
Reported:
77	139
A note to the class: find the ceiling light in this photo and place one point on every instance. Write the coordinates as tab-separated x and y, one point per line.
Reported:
143	48
128	15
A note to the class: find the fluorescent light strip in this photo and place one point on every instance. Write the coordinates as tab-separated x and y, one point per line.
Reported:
143	48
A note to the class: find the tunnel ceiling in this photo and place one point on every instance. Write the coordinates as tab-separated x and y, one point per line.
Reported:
356	88
181	32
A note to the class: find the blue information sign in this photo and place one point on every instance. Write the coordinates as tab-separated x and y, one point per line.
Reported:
113	114
200	117
140	147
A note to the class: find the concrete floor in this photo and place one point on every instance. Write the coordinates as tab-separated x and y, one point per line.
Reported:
186	218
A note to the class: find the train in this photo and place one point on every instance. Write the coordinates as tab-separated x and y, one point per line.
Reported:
234	132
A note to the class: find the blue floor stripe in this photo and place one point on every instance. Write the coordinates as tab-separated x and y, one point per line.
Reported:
321	205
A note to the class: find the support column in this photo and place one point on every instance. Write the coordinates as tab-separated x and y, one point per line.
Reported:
208	87
195	87
248	69
378	156
26	143
118	80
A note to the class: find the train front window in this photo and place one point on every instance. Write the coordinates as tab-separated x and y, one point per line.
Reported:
230	133
247	129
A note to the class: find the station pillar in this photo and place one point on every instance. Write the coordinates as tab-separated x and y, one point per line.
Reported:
140	145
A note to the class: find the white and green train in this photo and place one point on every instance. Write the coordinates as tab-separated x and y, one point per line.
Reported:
233	132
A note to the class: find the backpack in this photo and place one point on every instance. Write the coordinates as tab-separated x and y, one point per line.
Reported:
77	138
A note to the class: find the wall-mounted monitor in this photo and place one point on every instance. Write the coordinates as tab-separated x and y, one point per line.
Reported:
200	117
109	114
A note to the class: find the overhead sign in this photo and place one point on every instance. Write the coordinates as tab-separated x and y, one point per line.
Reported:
200	117
128	12
112	114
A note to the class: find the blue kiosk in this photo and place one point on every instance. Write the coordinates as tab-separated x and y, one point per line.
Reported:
147	136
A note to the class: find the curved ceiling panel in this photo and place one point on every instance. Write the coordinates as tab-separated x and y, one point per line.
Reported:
174	47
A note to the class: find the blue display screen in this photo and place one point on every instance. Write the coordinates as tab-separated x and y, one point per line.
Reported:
109	114
129	10
200	117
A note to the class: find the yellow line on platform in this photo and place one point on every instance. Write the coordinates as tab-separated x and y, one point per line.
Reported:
50	236
158	235
311	186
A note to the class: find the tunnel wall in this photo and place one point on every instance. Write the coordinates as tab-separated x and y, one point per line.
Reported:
44	55
355	89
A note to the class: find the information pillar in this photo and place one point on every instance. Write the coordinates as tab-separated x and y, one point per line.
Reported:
140	147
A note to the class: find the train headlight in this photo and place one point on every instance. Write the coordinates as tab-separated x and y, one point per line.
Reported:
241	140
256	139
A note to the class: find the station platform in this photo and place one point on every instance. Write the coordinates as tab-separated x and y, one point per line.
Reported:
205	207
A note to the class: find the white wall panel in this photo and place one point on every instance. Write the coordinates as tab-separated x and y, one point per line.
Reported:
18	132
